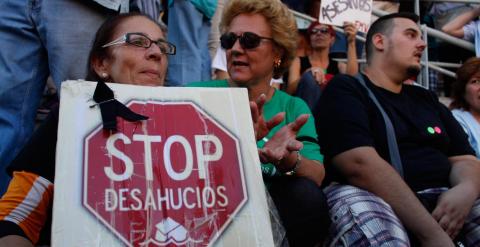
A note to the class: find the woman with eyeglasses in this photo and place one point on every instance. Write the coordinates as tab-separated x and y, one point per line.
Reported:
259	38
128	48
318	66
466	101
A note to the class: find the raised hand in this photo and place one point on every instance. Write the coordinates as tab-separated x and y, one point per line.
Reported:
350	31
260	126
319	75
281	149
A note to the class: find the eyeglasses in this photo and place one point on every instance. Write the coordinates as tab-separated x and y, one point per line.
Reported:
323	30
141	40
248	40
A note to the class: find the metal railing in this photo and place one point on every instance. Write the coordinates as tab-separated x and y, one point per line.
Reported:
452	1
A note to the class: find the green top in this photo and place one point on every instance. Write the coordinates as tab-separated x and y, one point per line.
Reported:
293	107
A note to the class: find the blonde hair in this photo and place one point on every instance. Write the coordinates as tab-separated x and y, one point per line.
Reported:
281	21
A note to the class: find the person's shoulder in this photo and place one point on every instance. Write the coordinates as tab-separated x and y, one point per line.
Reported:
458	111
460	114
342	83
343	79
212	83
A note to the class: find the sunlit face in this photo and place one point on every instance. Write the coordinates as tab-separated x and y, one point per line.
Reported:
472	93
249	67
404	46
320	37
136	65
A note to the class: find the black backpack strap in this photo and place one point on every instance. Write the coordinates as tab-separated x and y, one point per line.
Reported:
391	139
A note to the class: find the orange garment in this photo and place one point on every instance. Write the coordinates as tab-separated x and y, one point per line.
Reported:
26	203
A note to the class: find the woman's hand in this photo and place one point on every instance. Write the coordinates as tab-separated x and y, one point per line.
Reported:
281	149
350	31
260	126
319	75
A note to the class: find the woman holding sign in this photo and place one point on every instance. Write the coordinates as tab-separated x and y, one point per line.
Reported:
259	38
128	48
307	73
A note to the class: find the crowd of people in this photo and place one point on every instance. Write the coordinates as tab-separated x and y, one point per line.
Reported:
350	157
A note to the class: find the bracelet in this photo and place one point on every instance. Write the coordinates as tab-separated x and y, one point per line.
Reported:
293	171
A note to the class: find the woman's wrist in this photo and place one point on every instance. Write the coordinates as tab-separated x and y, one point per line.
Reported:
290	165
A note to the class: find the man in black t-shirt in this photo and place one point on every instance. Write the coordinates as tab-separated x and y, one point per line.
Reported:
371	203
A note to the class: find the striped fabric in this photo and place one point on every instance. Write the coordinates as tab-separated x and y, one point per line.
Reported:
360	218
26	203
471	228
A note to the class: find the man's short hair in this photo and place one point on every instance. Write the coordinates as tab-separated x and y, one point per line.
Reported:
384	25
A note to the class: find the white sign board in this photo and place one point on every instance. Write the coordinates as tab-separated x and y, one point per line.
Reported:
336	12
187	176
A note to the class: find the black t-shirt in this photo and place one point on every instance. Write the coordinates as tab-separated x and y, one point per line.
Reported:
426	132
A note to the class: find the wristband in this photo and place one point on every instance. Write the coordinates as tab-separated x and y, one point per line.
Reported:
294	169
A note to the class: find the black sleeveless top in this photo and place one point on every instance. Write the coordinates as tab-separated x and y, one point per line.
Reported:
331	69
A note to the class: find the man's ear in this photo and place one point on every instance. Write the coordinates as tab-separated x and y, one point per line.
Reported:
378	41
100	65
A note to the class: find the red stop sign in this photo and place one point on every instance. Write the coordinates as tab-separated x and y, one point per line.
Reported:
175	180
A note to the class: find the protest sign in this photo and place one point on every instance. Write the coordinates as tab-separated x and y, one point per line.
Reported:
187	176
336	12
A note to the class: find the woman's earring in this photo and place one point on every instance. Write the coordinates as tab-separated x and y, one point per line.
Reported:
277	63
104	75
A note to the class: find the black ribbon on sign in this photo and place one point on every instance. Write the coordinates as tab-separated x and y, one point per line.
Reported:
112	108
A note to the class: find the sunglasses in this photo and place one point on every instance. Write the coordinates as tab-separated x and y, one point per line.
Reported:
324	30
248	40
141	40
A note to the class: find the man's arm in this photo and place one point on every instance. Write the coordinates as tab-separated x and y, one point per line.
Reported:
364	168
455	27
454	205
465	170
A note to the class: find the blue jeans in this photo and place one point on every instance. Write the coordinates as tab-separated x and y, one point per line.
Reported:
38	38
188	29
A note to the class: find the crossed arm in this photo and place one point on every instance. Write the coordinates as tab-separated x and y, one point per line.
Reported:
455	27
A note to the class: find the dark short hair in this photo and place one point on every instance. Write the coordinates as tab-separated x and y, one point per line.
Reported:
104	35
384	25
464	74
